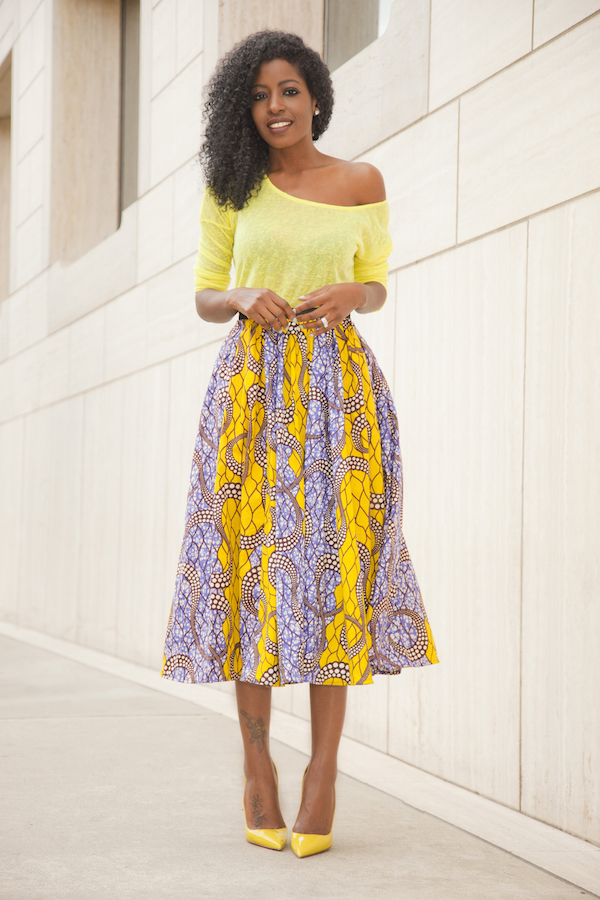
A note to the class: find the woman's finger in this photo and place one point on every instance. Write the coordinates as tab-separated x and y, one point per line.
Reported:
282	305
260	318
322	322
322	330
270	307
275	313
312	312
310	301
309	316
265	307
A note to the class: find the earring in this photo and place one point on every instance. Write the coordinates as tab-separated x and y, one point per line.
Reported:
317	111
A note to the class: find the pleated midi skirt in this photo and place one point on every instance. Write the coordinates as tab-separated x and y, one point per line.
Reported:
293	566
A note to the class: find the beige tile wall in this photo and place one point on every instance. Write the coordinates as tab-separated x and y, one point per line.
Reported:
11	481
5	167
175	121
552	17
142	606
105	272
28	312
530	137
561	526
461	427
97	587
237	18
421	165
473	39
4	331
364	114
30	41
85	128
7	26
487	129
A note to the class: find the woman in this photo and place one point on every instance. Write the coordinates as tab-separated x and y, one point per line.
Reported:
293	566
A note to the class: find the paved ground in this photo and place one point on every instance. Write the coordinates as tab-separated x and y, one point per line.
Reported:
114	791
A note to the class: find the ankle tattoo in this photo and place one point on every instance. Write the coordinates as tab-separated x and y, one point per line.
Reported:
257	813
257	729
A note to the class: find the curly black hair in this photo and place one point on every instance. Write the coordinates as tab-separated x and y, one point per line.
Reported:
233	155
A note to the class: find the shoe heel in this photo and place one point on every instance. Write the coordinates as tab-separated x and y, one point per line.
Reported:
271	838
309	844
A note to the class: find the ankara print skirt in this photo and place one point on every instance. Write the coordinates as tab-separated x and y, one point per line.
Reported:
293	566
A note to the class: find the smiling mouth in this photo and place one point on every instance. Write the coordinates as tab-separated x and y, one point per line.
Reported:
279	126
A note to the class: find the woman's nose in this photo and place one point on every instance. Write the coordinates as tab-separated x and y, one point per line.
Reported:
275	104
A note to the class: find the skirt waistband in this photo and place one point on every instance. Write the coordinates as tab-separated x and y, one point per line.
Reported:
242	316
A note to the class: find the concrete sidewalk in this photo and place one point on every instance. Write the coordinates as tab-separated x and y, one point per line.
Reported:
112	790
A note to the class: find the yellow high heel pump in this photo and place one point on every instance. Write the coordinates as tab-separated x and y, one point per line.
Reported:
309	844
271	838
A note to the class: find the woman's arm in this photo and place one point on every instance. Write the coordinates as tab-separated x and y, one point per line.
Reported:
211	305
260	304
376	295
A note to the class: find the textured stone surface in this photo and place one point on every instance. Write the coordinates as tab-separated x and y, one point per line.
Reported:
530	136
365	111
142	608
11	473
238	18
101	488
175	122
419	166
551	17
472	39
459	393
561	722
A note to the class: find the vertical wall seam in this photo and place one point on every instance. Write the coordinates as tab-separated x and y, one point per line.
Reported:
121	116
429	57
387	724
176	60
48	118
104	343
173	208
122	400
20	537
393	380
532	30
84	415
523	522
168	453
457	171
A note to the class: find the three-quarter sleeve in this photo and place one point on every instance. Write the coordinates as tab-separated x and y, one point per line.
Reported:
375	246
215	248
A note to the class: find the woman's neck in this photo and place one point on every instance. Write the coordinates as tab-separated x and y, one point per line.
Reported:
293	161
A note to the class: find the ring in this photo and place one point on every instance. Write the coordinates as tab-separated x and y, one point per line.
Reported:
324	321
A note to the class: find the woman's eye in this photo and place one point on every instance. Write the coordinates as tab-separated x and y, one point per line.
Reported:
290	91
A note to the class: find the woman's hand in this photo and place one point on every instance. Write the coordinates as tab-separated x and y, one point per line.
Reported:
335	301
262	305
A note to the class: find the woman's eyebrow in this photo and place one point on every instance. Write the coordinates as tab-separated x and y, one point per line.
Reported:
279	83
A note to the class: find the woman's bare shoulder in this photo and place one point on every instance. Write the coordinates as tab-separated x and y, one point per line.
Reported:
365	182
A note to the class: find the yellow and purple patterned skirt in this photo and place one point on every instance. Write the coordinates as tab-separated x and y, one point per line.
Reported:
293	566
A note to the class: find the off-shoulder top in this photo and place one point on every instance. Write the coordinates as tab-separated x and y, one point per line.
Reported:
290	245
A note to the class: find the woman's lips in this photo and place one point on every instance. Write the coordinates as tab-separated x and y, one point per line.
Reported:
279	127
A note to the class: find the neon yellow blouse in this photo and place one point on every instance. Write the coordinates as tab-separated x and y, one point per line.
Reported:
289	245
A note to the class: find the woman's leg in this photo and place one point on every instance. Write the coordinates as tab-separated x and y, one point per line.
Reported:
327	710
260	798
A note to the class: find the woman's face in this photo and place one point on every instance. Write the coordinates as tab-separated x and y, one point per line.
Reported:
281	105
